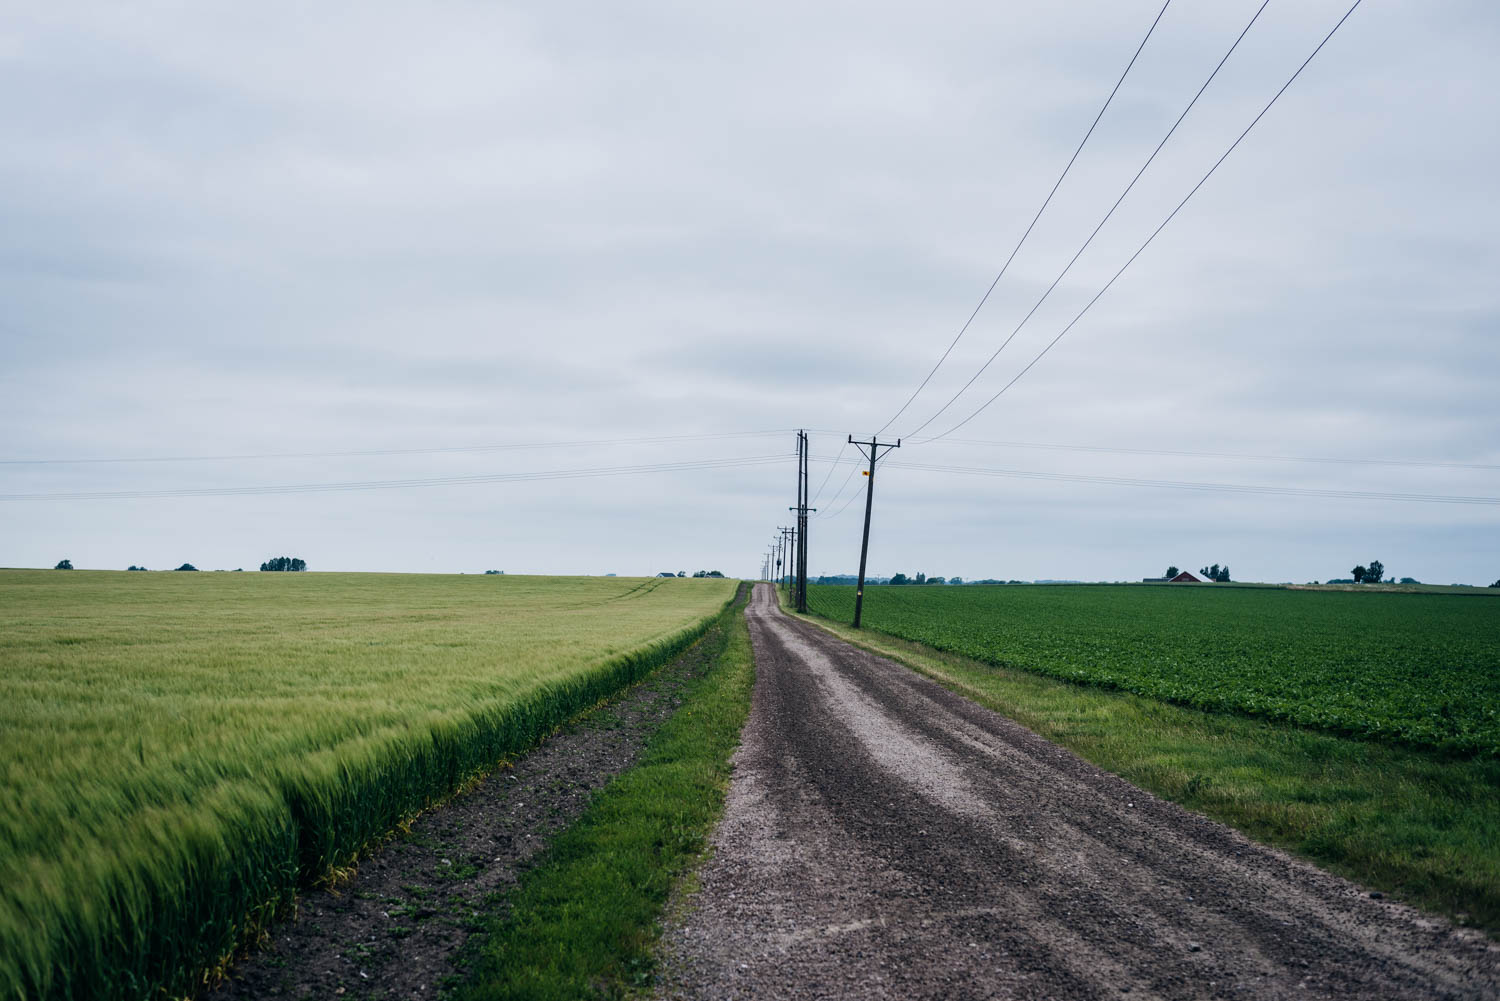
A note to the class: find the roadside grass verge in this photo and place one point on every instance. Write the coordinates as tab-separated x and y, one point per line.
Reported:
583	923
1417	825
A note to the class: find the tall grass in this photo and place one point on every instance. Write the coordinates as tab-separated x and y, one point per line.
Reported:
182	751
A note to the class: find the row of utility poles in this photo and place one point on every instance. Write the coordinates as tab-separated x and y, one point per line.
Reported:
787	556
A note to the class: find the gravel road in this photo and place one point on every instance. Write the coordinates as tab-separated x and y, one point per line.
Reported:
885	838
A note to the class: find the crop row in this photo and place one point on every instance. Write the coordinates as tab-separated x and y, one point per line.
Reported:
1419	669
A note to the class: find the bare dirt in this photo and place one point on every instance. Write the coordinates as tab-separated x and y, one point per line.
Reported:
886	838
398	928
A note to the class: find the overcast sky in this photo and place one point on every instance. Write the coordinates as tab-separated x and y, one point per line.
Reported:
231	229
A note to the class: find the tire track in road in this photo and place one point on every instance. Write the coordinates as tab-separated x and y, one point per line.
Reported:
886	838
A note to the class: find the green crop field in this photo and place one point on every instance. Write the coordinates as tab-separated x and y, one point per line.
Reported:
1418	669
181	751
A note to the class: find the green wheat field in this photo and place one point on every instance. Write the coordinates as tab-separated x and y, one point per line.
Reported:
181	751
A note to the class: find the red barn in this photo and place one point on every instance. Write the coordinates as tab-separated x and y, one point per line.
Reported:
1185	578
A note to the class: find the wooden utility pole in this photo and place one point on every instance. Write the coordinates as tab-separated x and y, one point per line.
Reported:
788	535
864	546
799	580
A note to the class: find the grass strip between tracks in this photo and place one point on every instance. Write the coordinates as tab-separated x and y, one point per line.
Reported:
583	923
1414	824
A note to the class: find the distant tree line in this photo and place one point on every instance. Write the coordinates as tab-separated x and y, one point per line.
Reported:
1215	573
708	573
921	578
289	564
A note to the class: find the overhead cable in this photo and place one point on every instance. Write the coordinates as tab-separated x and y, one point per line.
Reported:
436	481
1241	488
1107	216
1425	463
1045	202
355	453
831	467
1089	305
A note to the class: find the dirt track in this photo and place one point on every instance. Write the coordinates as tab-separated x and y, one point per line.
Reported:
885	838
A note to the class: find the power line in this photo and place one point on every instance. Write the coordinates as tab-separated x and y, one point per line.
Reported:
832	466
1107	216
1425	463
845	485
298	488
845	505
504	446
1241	488
1047	201
1155	232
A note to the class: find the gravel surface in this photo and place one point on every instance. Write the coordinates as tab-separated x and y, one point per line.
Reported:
398	928
886	838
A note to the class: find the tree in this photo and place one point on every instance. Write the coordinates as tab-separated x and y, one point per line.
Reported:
1375	572
921	578
1223	576
284	564
1171	572
1212	573
936	580
1358	573
900	578
187	566
500	573
134	567
1496	584
955	580
682	573
64	565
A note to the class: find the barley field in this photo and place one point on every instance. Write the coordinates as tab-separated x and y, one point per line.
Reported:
181	751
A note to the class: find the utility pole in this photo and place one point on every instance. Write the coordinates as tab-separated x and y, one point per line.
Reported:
864	547
783	569
800	579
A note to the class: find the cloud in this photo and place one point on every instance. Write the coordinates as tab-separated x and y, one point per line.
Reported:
344	227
